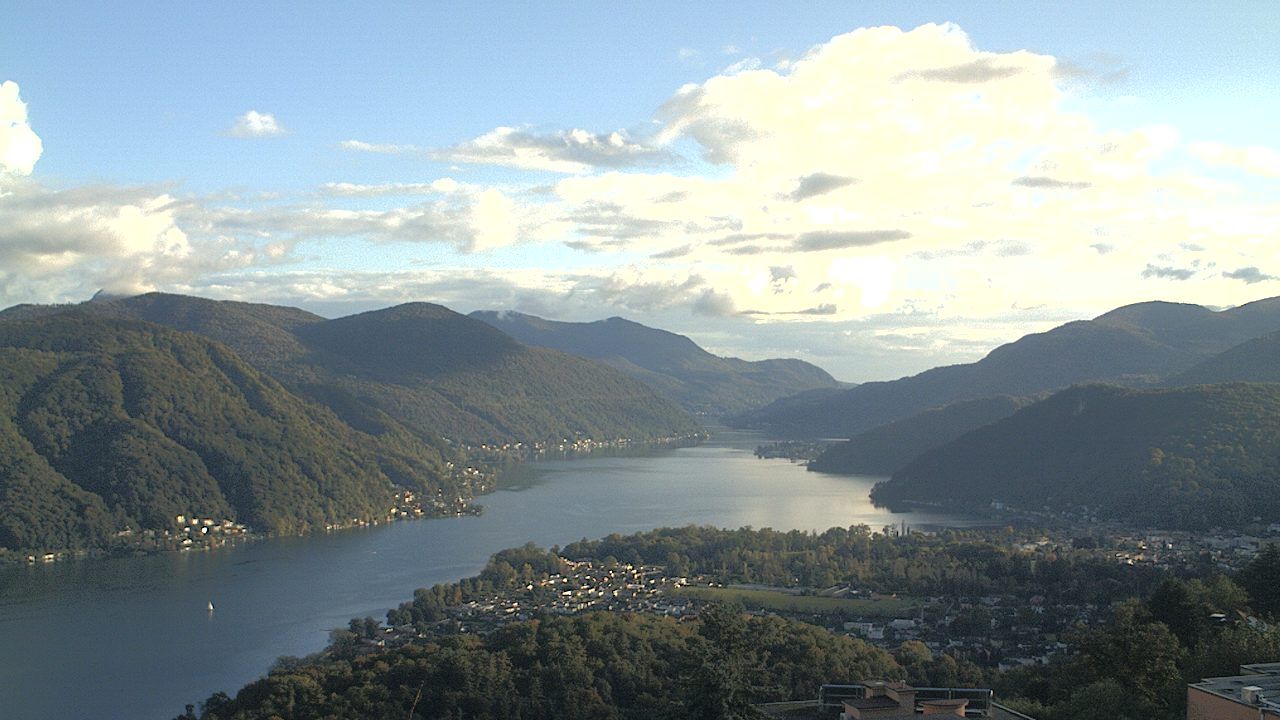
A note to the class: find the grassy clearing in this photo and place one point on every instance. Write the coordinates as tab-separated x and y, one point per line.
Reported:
782	602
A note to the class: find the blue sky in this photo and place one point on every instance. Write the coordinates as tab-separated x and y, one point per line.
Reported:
376	169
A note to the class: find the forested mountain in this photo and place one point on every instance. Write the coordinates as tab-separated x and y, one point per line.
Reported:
111	425
1257	360
1136	345
672	364
434	370
882	450
1193	457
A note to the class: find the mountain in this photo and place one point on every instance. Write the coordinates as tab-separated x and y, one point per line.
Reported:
882	450
671	364
110	425
1192	457
1257	360
435	371
1135	345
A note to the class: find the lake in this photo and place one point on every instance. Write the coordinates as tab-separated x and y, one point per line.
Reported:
132	637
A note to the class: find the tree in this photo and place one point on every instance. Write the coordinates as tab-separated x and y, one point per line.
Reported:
724	663
1261	579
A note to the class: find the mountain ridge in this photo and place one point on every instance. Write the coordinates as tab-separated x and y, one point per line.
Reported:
437	372
670	363
1135	345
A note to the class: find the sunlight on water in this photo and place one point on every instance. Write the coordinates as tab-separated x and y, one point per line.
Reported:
133	637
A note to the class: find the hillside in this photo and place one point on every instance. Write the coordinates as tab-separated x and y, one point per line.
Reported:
882	450
111	425
435	371
1191	457
671	364
1257	360
1136	345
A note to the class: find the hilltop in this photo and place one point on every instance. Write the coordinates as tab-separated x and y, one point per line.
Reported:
673	365
882	450
1192	457
112	427
1136	345
435	371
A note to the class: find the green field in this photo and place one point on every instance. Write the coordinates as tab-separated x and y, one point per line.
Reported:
771	600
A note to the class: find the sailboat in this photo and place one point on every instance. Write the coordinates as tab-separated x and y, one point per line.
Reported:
210	606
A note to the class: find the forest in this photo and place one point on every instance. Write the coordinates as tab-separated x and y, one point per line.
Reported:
1134	665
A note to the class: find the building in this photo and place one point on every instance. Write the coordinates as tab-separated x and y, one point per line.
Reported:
1254	694
882	700
894	700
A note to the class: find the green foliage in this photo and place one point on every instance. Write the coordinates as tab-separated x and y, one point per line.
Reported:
1261	579
1257	360
671	364
1194	457
425	368
952	562
597	665
108	426
883	450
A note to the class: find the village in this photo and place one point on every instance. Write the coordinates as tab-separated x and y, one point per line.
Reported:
994	631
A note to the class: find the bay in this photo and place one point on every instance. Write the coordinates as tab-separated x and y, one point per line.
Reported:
133	638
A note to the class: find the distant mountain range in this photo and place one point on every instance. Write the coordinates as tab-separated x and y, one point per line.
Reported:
672	364
120	414
1256	360
112	426
1192	457
433	370
882	450
1137	345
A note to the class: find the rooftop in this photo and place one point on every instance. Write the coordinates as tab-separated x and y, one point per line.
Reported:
1261	679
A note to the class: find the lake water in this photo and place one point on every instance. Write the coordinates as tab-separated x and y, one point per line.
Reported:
132	637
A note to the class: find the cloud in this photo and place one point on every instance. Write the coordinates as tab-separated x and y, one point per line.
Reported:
1249	275
982	70
64	245
20	147
1048	183
254	124
842	239
470	221
713	304
343	189
570	151
819	183
1254	159
672	253
379	148
1097	68
1169	273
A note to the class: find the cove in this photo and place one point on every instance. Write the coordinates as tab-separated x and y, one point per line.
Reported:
133	638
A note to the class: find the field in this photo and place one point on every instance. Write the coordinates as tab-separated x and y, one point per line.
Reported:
783	602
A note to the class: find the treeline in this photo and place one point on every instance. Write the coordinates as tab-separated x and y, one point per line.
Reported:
951	563
610	665
596	665
1137	666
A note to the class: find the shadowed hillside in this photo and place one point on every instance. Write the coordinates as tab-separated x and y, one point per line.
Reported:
671	364
1136	345
1192	457
436	371
110	425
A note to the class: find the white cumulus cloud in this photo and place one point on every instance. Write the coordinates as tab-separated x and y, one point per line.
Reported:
20	147
254	124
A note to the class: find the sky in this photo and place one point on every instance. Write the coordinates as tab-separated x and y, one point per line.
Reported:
878	188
